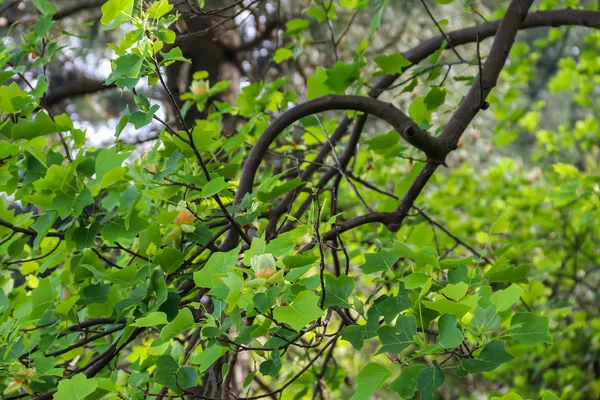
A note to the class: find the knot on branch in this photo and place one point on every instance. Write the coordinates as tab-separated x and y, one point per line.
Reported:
410	131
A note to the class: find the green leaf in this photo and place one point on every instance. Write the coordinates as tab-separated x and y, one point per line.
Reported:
383	142
208	356
169	259
394	339
529	328
171	167
125	68
12	99
435	98
504	299
218	263
406	384
490	358
299	261
456	291
280	190
285	242
85	237
376	20
449	336
127	202
485	320
375	262
356	4
81	201
42	227
94	294
394	305
139	119
214	186
342	75
122	276
152	319
171	56
321	13
41	298
392	64
445	306
271	367
235	282
316	84
502	272
422	257
501	224
75	388
264	301
418	111
282	54
548	395
159	8
295	26
171	375
368	380
107	160
116	12
415	280
457	275
181	323
41	125
428	380
45	7
338	290
401	189
115	230
355	334
63	204
302	311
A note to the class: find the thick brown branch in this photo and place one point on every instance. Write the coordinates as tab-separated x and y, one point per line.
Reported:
76	89
488	77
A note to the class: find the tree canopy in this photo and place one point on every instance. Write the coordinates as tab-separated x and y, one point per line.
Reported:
320	199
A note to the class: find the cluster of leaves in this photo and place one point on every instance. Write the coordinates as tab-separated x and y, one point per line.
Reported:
113	283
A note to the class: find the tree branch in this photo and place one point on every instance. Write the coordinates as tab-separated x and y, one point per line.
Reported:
29	231
79	88
458	122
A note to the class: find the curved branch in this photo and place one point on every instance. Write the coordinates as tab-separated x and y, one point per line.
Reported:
406	127
400	121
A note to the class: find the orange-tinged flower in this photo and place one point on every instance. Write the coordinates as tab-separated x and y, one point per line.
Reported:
185	217
263	265
266	272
